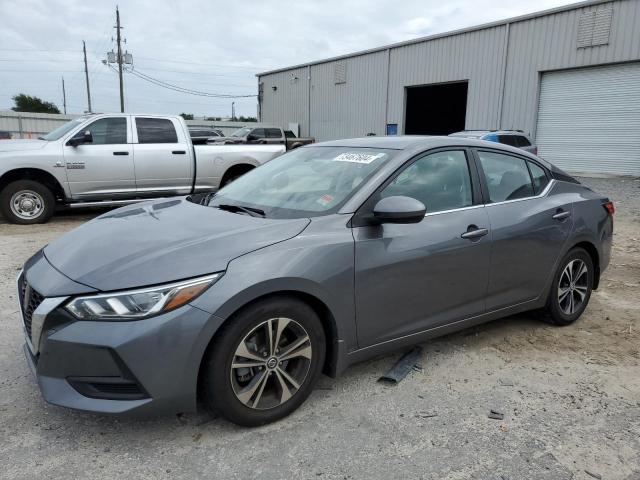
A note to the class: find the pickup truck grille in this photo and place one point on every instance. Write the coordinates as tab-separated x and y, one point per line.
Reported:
29	301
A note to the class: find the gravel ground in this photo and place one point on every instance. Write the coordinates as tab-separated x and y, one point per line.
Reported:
570	398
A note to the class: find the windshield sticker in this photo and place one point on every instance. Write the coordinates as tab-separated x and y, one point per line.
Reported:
325	200
363	158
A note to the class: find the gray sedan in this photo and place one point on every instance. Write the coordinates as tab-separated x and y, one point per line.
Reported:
326	256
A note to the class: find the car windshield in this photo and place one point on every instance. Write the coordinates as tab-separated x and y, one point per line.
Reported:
63	129
307	182
243	132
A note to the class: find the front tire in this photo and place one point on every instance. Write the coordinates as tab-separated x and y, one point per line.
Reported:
264	362
27	202
571	288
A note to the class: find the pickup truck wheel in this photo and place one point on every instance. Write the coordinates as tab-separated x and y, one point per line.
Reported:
27	202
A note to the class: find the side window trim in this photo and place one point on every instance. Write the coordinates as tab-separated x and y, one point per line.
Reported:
483	181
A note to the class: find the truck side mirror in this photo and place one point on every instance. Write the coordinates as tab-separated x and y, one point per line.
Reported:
80	138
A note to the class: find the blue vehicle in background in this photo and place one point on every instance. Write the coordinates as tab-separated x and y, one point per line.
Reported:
514	138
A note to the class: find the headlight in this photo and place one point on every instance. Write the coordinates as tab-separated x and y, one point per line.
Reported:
142	303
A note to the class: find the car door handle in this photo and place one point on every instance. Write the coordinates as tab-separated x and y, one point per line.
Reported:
561	215
121	153
474	232
179	152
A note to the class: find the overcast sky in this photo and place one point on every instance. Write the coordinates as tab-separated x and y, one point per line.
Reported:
206	45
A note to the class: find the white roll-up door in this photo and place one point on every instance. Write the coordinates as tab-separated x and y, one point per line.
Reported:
589	119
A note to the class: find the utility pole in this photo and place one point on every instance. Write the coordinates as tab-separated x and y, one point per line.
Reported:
233	111
86	75
64	97
119	60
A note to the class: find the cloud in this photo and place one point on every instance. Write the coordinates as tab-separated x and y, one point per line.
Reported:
206	45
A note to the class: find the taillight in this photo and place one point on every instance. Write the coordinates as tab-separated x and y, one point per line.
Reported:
608	206
535	150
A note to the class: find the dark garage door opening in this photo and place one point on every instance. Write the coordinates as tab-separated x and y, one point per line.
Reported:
436	109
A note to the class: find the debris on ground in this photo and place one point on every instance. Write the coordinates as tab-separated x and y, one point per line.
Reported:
496	415
403	366
594	475
426	414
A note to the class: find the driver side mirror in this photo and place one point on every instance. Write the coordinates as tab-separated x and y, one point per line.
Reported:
399	209
81	138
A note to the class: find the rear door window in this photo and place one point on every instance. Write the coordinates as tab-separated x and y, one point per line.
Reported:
273	133
540	178
507	140
258	132
522	141
156	130
507	176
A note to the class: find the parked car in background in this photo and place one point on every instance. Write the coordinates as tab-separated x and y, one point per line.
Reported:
4	135
200	135
328	255
111	159
265	135
513	138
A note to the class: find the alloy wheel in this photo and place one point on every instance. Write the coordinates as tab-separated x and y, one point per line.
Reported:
573	286
271	363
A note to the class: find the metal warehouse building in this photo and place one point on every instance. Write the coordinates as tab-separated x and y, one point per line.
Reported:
569	77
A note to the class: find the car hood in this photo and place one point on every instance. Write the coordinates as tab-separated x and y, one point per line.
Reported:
21	145
161	241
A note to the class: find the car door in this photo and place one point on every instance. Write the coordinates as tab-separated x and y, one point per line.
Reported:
529	225
258	135
274	136
162	156
104	167
413	277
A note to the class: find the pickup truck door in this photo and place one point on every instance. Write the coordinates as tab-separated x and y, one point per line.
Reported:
163	156
103	168
275	136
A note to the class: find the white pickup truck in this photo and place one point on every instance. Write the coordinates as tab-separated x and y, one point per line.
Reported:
110	159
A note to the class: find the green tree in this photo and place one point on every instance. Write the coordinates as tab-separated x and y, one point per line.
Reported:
187	116
246	119
27	103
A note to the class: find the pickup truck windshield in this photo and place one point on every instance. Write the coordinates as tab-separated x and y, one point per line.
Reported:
307	182
63	129
243	132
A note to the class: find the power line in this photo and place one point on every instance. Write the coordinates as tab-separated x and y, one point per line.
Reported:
189	91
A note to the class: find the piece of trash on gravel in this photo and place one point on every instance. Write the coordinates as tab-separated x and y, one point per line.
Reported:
426	414
505	382
594	475
403	366
496	415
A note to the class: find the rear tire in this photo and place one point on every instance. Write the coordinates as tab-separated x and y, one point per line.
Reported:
252	379
27	202
571	288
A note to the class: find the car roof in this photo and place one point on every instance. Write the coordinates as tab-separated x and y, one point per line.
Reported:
415	143
481	133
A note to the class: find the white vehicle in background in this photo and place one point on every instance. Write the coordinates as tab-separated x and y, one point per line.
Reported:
111	159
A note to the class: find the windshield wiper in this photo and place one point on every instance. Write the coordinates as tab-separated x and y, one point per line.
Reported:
254	212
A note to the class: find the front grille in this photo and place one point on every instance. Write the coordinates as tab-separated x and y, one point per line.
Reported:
29	301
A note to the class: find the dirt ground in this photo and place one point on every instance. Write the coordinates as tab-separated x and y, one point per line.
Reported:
570	398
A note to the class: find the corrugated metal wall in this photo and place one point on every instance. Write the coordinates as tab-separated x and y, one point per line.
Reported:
475	56
289	102
502	63
31	125
353	108
550	43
